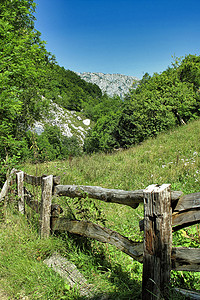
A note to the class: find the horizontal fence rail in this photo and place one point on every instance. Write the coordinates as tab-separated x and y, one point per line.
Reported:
130	198
164	211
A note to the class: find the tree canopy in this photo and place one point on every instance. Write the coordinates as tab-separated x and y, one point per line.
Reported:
23	65
159	103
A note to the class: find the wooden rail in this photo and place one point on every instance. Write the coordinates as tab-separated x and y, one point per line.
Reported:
164	211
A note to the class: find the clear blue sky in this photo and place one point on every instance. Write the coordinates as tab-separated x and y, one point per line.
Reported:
119	36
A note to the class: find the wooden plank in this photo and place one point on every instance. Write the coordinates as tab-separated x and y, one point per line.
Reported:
191	201
102	234
37	180
29	198
72	275
183	259
56	209
6	185
181	219
130	198
20	192
186	259
157	241
45	209
188	294
185	218
34	180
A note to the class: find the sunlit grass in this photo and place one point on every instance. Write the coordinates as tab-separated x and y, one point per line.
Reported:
172	157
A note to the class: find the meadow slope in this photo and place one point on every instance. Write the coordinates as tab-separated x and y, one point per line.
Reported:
172	157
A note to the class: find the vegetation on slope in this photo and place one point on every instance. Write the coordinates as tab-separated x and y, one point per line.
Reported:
29	72
173	157
159	103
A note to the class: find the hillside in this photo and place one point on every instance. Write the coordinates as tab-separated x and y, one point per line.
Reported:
111	84
173	157
71	123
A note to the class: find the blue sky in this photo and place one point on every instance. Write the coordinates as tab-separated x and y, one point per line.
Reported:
119	36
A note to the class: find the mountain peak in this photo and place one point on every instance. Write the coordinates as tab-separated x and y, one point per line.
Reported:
111	84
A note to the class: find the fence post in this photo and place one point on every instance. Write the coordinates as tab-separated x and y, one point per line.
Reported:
45	210
20	191
157	241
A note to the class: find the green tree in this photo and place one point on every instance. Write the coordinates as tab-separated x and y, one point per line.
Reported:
158	103
23	69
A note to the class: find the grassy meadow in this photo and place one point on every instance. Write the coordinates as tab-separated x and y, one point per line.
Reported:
172	157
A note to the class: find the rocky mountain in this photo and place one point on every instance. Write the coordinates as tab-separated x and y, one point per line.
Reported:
74	123
71	123
112	84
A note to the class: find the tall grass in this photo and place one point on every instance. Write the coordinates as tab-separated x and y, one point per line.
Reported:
172	157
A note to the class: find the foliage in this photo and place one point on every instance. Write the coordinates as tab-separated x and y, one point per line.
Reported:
22	268
51	145
23	70
172	157
159	103
68	90
103	107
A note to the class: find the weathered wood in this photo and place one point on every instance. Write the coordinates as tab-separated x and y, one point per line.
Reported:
183	259
130	198
157	241
102	234
56	210
72	275
29	199
186	259
6	185
45	209
20	192
181	219
56	180
191	201
34	180
37	180
185	218
189	294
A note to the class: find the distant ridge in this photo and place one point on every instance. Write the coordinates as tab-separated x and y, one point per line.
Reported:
112	84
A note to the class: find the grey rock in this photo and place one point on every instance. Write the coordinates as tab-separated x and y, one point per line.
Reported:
111	84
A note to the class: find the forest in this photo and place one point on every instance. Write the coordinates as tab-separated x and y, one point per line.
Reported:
30	78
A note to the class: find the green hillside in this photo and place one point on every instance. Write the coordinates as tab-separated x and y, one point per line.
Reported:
173	157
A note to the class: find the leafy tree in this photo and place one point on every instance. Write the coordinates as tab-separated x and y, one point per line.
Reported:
104	106
158	103
67	89
23	66
189	70
52	145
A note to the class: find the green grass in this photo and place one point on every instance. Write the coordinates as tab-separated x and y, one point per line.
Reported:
172	157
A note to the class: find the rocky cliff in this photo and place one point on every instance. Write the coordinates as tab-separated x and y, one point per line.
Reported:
112	84
71	123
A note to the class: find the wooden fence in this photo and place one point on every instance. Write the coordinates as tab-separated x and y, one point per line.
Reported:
165	211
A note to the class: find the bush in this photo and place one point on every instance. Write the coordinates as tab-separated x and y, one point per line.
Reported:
51	145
